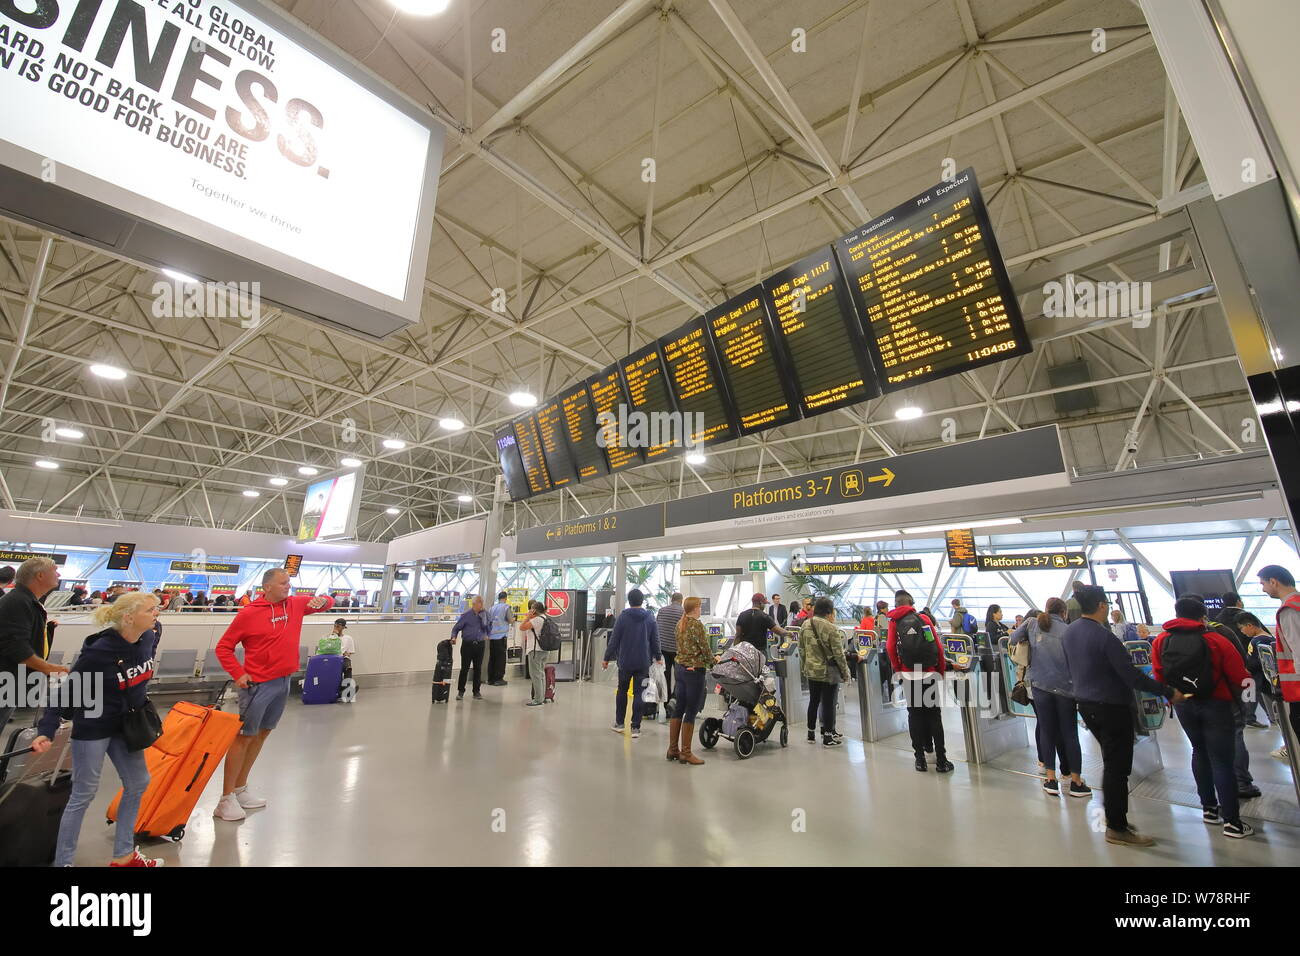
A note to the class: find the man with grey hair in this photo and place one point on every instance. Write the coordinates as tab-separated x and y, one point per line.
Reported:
270	629
22	624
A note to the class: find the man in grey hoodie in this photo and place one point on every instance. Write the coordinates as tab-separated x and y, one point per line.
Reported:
634	644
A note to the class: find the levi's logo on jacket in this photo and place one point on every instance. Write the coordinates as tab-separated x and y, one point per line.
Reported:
135	675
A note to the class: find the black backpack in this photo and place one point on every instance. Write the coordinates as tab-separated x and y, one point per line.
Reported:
1187	664
917	645
444	651
548	639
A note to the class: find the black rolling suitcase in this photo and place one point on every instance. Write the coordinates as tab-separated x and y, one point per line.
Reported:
442	673
33	793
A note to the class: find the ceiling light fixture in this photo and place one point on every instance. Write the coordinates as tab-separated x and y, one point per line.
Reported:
307	471
47	464
75	434
396	444
464	499
279	482
716	547
858	535
108	371
908	412
696	458
250	493
773	544
393	511
179	276
422	8
451	424
961	525
523	399
351	462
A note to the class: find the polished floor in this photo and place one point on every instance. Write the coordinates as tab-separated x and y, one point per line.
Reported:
394	780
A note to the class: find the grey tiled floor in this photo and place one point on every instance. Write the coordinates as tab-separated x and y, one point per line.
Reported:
393	780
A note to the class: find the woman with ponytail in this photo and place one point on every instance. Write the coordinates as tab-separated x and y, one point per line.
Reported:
1057	728
694	658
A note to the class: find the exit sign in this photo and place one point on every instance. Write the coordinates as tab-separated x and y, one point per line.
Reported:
758	565
557	572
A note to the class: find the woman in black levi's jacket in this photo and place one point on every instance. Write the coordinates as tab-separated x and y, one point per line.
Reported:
114	668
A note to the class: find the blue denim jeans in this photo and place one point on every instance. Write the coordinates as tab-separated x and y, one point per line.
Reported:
1209	726
690	693
87	765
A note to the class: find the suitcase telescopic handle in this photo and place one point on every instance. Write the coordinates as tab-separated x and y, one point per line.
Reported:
16	753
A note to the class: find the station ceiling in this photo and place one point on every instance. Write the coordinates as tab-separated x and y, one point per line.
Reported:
548	203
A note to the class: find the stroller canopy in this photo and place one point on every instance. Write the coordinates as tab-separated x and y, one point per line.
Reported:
742	664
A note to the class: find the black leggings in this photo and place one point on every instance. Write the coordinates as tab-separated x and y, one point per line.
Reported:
821	695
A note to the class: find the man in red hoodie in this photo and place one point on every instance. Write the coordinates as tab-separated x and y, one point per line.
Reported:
917	658
1191	657
270	628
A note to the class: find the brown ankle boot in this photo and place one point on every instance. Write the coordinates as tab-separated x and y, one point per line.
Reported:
688	734
674	732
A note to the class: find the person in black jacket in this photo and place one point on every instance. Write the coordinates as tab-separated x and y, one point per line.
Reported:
1229	617
1104	679
115	666
23	618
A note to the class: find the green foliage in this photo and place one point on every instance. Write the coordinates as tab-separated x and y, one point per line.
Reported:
809	585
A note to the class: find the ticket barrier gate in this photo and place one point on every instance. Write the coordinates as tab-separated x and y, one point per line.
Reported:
593	653
791	689
987	730
880	703
1150	718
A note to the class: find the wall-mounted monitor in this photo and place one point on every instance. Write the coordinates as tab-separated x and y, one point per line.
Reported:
231	144
330	508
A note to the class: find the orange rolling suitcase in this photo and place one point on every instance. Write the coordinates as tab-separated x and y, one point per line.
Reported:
181	762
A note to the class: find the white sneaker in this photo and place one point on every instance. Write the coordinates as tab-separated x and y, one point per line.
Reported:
1280	754
249	800
229	809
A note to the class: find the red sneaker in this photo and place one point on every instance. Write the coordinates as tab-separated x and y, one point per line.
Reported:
137	859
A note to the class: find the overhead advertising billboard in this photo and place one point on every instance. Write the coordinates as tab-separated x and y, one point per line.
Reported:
330	507
224	140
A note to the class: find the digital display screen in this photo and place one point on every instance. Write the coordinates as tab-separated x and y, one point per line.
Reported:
555	446
530	453
647	392
329	509
696	383
931	287
606	396
742	339
961	548
511	465
821	335
580	426
120	557
285	138
292	564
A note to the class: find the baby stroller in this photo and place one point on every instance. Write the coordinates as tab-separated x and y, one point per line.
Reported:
750	695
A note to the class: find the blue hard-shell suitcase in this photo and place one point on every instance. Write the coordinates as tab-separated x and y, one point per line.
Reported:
324	679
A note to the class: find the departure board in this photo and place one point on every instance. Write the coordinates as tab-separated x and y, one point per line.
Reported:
580	426
816	325
606	396
696	384
530	453
647	392
931	287
511	464
756	380
555	446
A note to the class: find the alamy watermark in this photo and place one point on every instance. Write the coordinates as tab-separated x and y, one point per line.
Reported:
1075	298
634	429
82	691
179	298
